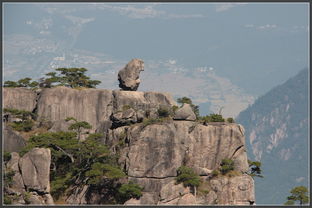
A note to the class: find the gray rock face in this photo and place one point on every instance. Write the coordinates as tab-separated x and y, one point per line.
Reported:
12	141
92	105
35	169
238	190
150	154
129	76
155	152
18	183
125	117
172	191
96	106
185	113
32	173
19	98
181	142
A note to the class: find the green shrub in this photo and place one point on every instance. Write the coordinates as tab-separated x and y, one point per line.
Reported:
6	156
7	199
230	120
100	170
128	191
254	169
163	112
22	125
211	118
22	114
226	166
8	177
215	173
216	118
126	107
174	108
187	176
26	197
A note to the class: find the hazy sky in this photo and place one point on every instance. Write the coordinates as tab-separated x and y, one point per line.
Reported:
256	46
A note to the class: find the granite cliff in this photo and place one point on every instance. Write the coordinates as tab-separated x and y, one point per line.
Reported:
151	153
150	142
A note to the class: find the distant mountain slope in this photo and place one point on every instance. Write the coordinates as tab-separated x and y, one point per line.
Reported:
277	135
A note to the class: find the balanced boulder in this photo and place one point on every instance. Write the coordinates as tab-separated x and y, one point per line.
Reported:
185	113
129	76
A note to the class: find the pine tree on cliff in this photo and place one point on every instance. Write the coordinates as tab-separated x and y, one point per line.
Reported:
69	77
299	193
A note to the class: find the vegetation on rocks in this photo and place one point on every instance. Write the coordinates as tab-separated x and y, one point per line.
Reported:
85	162
189	101
226	166
163	112
25	82
211	118
255	169
299	194
128	191
68	77
188	177
24	119
78	126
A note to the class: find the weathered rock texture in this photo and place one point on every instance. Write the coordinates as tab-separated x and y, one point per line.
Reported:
96	106
156	151
32	175
12	141
129	76
185	113
150	153
35	169
19	98
90	105
237	190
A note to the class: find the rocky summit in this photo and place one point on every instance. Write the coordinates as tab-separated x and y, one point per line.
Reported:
150	137
129	76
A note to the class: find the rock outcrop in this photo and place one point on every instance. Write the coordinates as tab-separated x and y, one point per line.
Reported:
156	151
95	106
185	113
129	76
237	190
19	98
151	150
12	141
31	179
35	169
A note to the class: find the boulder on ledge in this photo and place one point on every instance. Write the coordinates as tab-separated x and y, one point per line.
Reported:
129	76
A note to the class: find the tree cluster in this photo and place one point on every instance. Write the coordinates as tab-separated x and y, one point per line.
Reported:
79	163
188	177
300	194
68	77
25	82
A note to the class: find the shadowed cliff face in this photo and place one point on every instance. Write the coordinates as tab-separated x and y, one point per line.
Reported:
149	154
